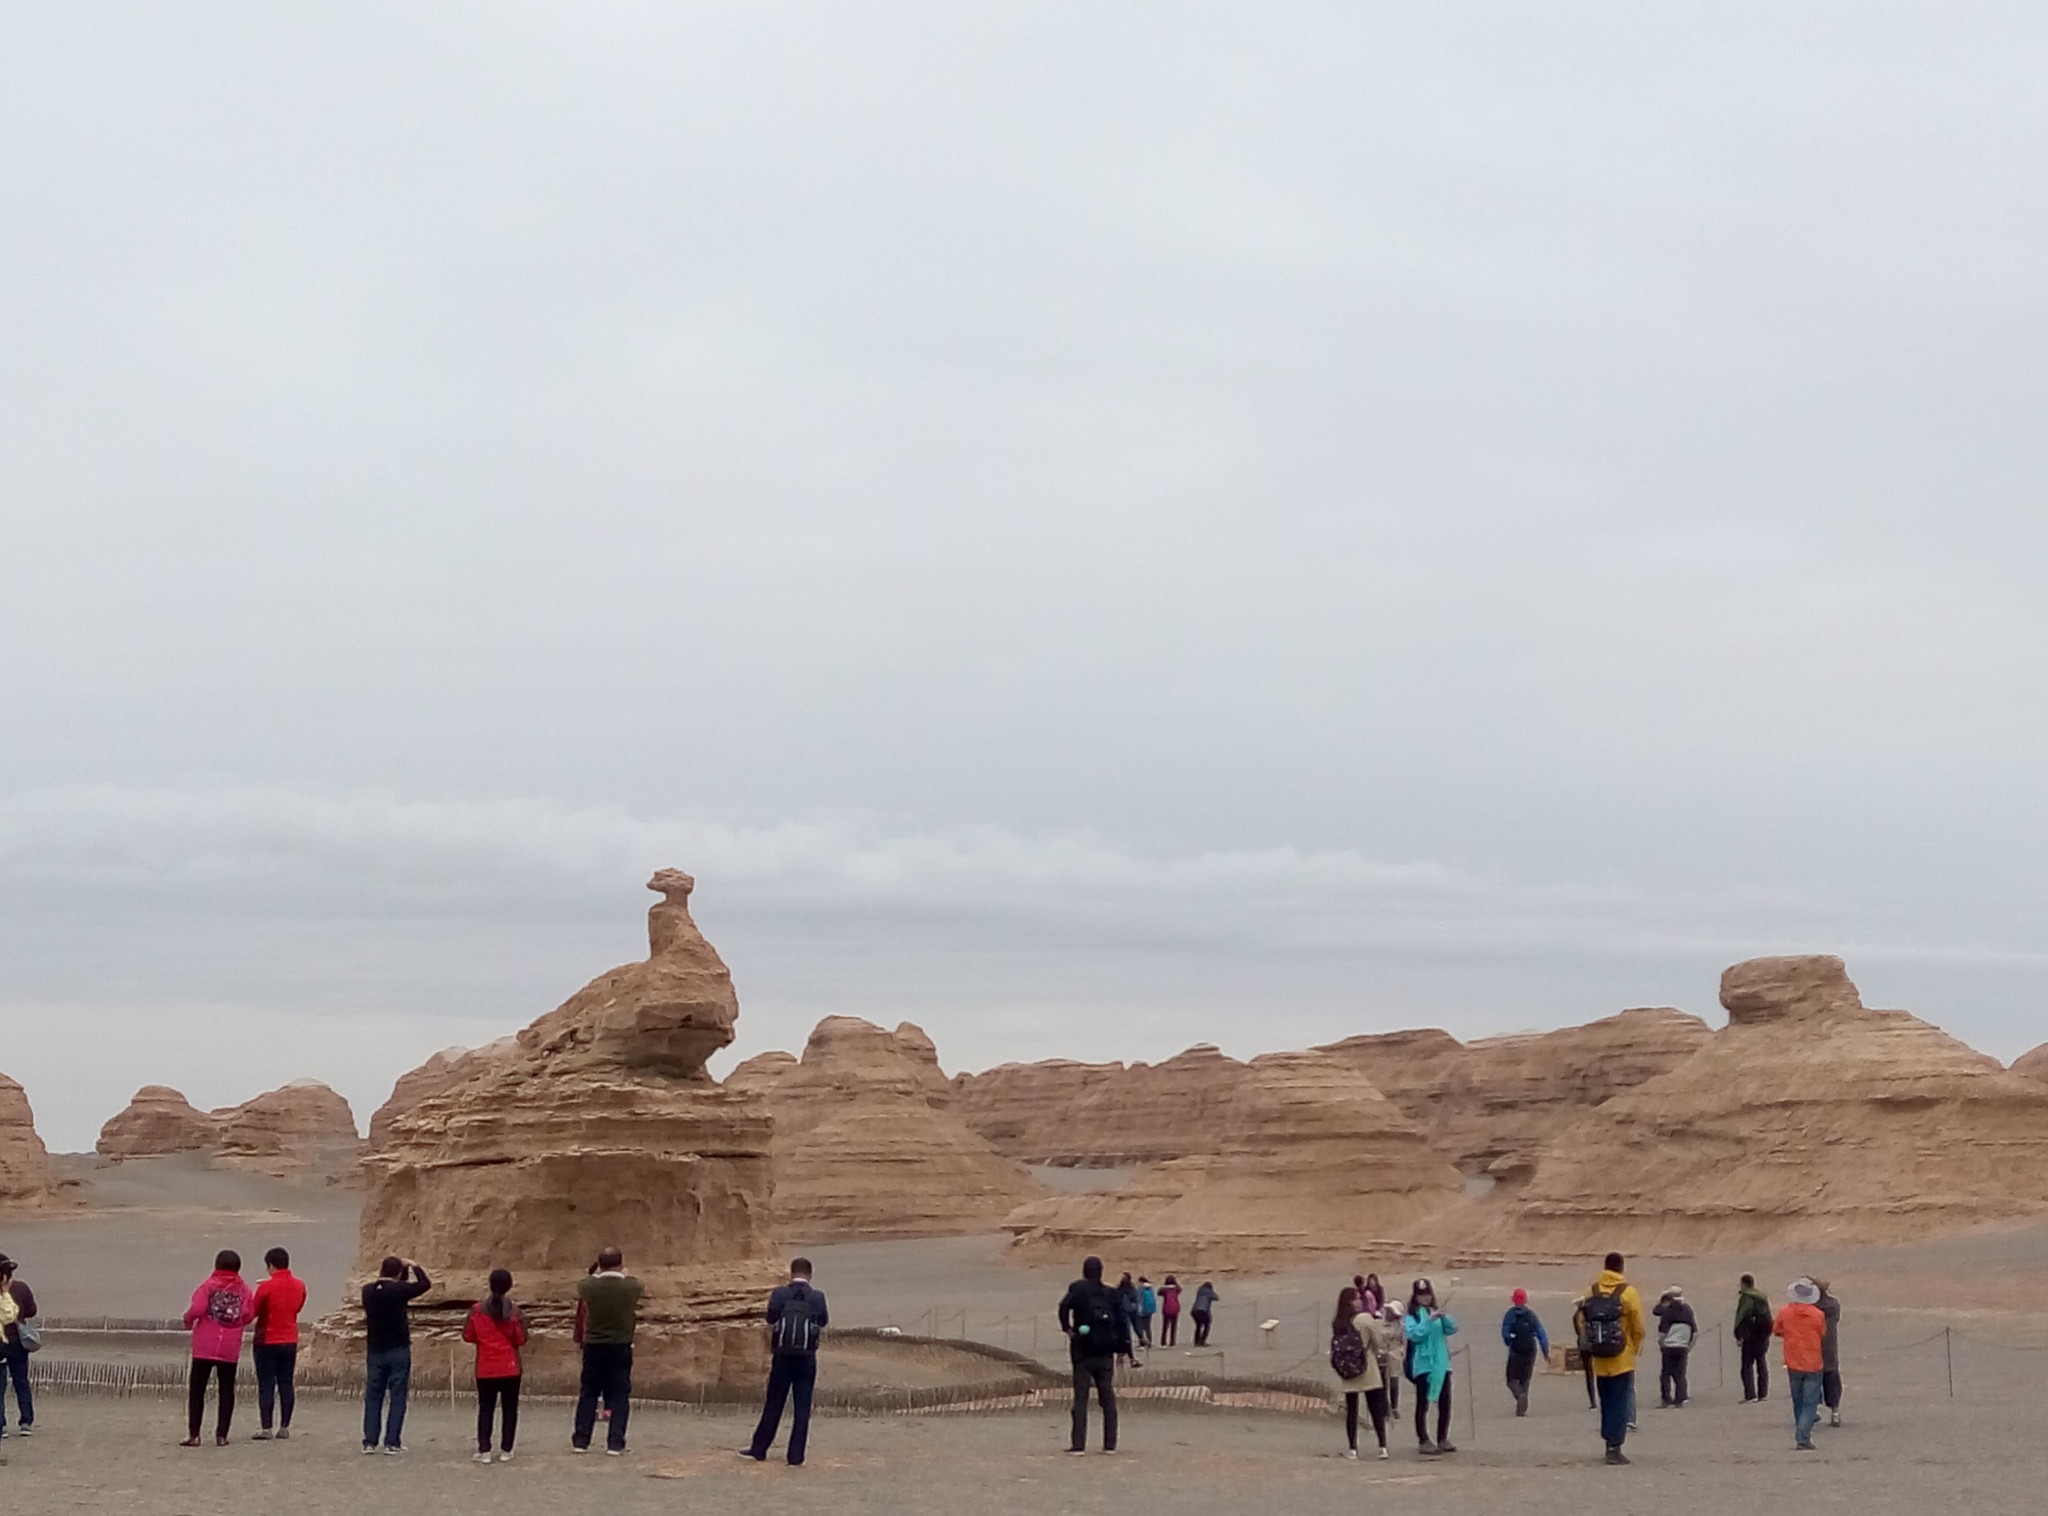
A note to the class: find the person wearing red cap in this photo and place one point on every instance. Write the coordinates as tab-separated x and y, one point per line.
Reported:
1523	1335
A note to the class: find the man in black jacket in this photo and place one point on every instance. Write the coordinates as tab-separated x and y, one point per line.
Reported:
796	1320
1097	1332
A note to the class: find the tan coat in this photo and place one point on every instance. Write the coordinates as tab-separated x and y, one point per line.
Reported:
1374	1331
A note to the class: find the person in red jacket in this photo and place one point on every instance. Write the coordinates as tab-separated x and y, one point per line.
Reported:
498	1329
219	1313
279	1299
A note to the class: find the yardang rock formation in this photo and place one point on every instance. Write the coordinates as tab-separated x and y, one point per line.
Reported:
27	1180
297	1128
1808	1119
868	1145
599	1126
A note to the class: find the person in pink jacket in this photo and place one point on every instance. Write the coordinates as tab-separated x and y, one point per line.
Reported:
221	1310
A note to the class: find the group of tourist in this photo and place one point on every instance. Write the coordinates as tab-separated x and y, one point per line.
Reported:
1140	1303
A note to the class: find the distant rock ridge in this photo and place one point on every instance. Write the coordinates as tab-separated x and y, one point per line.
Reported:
868	1144
1102	1115
299	1127
1808	1119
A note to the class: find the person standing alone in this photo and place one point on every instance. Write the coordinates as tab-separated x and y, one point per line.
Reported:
1802	1328
797	1318
387	1350
497	1328
279	1299
611	1307
17	1310
219	1313
1611	1333
1677	1326
1098	1330
1521	1332
1830	1353
1169	1311
1753	1334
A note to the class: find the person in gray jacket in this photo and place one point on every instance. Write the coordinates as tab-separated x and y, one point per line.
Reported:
1831	1354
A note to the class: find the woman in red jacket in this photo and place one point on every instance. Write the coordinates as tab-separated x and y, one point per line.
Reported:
499	1332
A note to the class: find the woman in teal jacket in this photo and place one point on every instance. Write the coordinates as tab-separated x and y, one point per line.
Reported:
1426	1327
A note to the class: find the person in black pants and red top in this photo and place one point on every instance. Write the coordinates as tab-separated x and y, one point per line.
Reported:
279	1299
796	1320
1098	1332
498	1330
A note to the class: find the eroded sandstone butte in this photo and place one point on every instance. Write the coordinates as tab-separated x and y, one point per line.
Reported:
1490	1106
27	1180
598	1126
158	1121
2034	1063
302	1126
868	1145
1808	1119
1102	1115
1305	1157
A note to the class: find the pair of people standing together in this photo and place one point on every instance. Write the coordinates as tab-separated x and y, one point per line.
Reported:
1360	1355
222	1309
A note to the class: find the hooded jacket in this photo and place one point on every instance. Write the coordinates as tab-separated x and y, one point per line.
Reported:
1092	1304
1633	1329
1520	1321
214	1341
1671	1312
1205	1299
497	1342
1831	1341
1426	1331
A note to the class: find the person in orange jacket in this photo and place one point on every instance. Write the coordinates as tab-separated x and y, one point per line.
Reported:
1611	1333
1802	1328
497	1328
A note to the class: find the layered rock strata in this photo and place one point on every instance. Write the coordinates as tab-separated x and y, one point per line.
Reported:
1102	1115
868	1145
302	1126
598	1127
1307	1157
158	1121
1491	1106
27	1180
1808	1119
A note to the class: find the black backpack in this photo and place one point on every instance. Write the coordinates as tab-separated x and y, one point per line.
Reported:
1524	1331
1098	1315
1347	1353
1601	1332
796	1329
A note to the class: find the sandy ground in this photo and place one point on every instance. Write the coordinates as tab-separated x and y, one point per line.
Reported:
1905	1449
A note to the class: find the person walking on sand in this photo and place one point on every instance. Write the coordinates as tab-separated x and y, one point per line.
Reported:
797	1318
1169	1312
1611	1334
1204	1311
497	1329
1677	1326
387	1350
1521	1332
1830	1353
1098	1331
1753	1335
1426	1327
221	1310
611	1302
17	1313
1357	1339
275	1353
1803	1329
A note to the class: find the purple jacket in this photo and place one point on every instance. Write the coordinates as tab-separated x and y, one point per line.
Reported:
213	1340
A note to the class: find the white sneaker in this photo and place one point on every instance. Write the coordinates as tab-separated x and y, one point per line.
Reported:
1352	1454
615	1452
1383	1452
506	1456
479	1457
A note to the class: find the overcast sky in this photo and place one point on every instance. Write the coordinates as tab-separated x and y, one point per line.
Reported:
1092	527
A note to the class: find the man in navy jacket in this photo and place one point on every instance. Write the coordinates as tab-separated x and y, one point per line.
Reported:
796	1320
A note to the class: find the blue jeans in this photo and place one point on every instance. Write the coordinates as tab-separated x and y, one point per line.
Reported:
17	1375
1806	1386
1617	1402
389	1374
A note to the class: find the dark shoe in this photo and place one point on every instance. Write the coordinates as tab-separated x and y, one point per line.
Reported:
1429	1450
221	1440
750	1453
1615	1455
284	1434
189	1442
1447	1447
1804	1447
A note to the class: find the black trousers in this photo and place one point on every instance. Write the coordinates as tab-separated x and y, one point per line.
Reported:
607	1376
1101	1374
1443	1411
277	1367
1521	1369
1168	1327
1376	1407
1671	1376
494	1394
1831	1388
1756	1369
204	1369
792	1376
1201	1328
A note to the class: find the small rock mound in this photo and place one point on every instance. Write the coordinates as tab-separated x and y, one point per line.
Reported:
303	1125
158	1121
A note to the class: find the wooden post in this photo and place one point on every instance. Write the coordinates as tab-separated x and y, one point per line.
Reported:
1948	1348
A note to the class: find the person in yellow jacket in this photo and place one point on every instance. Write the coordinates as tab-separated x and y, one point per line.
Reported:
1611	1333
